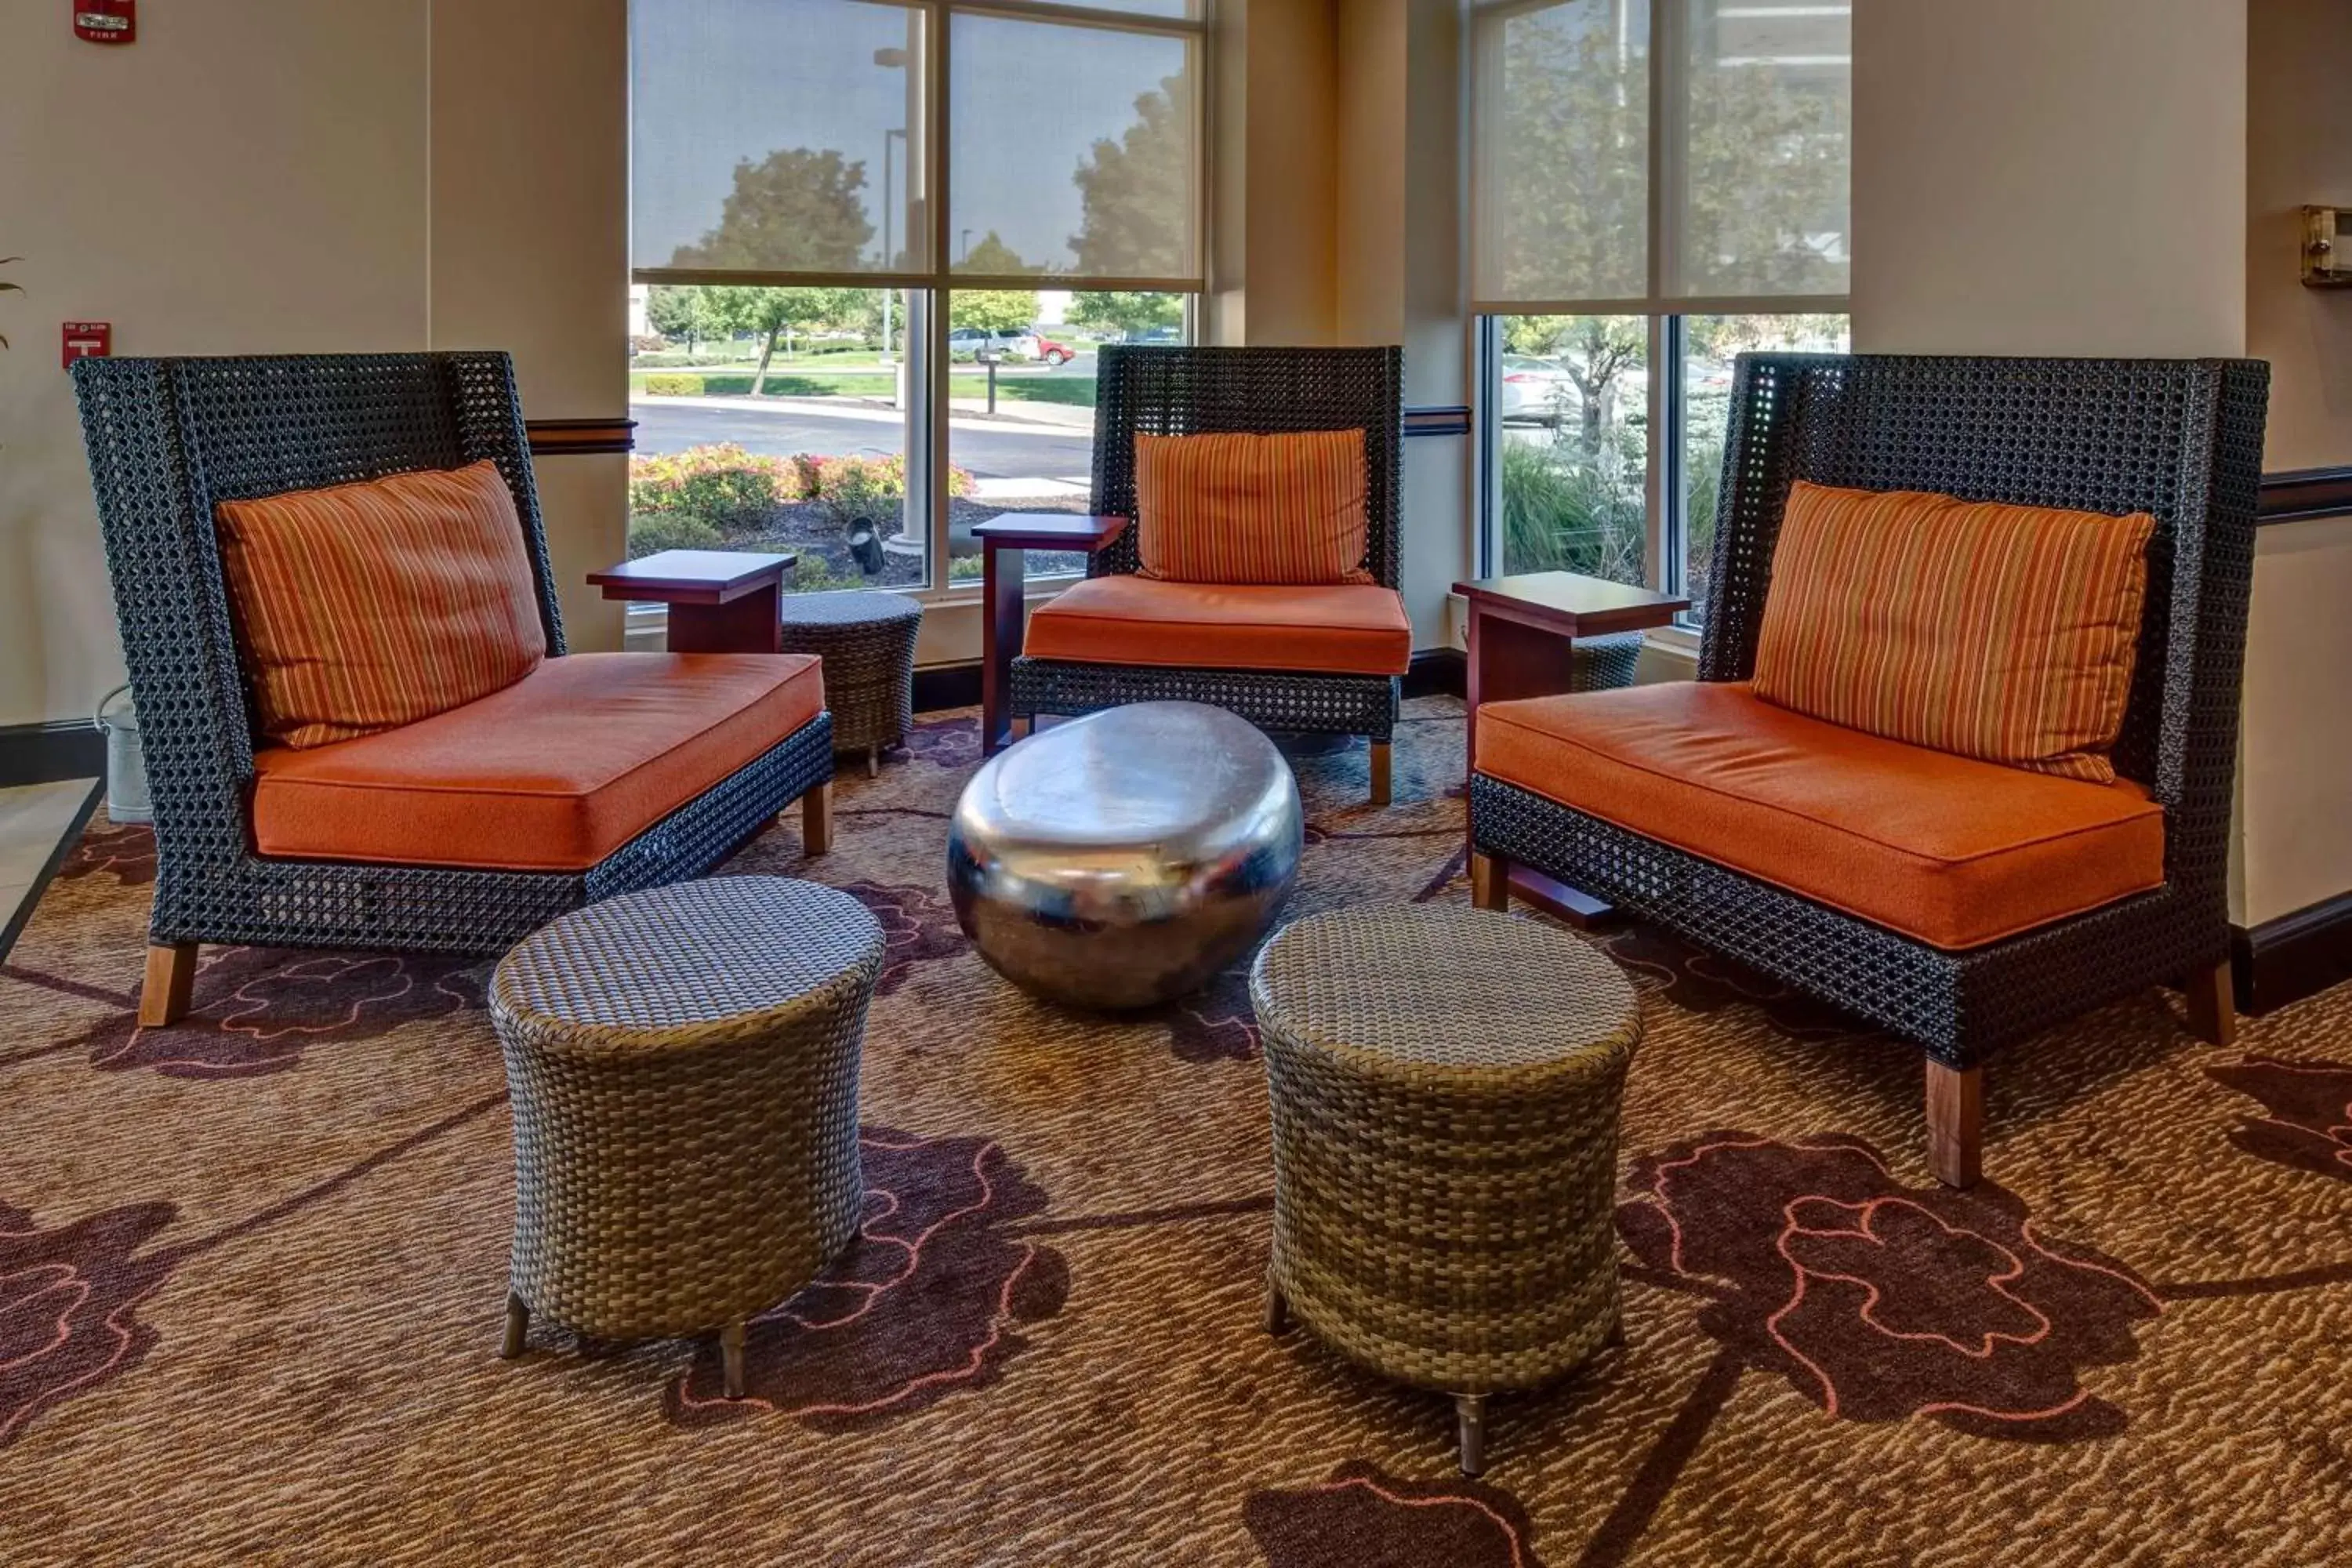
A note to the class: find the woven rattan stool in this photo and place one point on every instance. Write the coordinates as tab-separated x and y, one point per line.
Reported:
1444	1086
867	643
683	1063
1603	663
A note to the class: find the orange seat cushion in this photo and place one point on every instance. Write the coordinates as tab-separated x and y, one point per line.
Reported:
1203	625
2003	632
551	774
1239	508
364	607
1948	849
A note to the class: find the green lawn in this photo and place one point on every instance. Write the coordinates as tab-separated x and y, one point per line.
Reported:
1074	390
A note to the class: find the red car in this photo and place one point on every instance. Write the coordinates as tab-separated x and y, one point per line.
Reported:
1053	352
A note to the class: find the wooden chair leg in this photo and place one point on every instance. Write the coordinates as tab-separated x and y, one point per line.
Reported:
171	976
730	1359
1277	1311
1955	1123
517	1327
2212	1005
816	819
1490	881
1383	763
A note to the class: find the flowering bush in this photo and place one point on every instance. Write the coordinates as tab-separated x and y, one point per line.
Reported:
651	532
703	496
723	486
871	490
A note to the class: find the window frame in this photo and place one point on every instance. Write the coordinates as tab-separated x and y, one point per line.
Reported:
1665	493
928	289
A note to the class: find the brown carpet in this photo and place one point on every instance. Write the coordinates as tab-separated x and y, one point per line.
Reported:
251	1271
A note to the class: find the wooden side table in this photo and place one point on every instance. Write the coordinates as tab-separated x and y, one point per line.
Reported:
720	601
1521	628
1003	614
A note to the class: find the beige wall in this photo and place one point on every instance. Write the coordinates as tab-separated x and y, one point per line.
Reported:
2294	766
2298	152
1397	277
391	176
1337	149
1273	168
530	244
2295	772
2032	178
263	190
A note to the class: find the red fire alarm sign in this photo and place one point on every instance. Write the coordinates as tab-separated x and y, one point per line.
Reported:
88	340
106	21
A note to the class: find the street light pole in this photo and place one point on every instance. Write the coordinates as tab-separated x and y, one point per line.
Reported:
891	59
888	202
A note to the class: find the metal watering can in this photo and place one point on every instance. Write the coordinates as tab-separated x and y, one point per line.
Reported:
126	769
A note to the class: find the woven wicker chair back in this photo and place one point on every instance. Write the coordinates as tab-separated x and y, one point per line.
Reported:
168	438
1205	391
2180	439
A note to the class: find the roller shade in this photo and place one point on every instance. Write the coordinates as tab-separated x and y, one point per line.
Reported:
777	140
1632	156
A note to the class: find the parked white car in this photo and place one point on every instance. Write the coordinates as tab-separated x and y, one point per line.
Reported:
971	342
1535	391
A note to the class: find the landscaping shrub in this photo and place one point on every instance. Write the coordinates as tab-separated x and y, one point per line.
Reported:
711	496
872	490
1564	511
651	532
722	486
812	575
673	386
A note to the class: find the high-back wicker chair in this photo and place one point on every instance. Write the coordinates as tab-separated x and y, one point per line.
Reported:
169	439
1199	391
2180	439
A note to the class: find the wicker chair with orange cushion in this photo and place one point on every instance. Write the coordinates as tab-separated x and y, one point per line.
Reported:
1261	573
1960	755
360	723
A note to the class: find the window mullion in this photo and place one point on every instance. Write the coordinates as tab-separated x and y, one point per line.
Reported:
936	428
1657	486
1666	119
1673	575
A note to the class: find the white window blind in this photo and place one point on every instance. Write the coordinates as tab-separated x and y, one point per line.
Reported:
1096	179
813	141
1660	155
777	140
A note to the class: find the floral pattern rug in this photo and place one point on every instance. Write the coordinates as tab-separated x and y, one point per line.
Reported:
252	1269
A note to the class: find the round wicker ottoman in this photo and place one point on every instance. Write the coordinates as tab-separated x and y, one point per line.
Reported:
1444	1085
867	643
683	1063
1603	663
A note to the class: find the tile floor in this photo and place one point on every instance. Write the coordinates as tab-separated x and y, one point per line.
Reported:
32	819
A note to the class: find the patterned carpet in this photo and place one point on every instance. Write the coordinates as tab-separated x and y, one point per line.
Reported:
251	1271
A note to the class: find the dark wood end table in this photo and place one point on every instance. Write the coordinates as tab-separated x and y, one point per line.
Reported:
720	601
1522	629
1004	622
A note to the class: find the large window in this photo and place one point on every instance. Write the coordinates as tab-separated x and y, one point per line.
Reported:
1660	185
875	247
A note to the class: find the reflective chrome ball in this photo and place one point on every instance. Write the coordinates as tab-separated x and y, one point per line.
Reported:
1124	858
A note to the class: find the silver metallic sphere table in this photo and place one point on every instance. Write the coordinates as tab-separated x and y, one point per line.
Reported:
1122	859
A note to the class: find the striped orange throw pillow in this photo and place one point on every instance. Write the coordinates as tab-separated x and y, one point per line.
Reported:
1994	631
366	606
1251	509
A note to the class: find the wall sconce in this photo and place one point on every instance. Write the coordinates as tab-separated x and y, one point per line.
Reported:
2325	264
